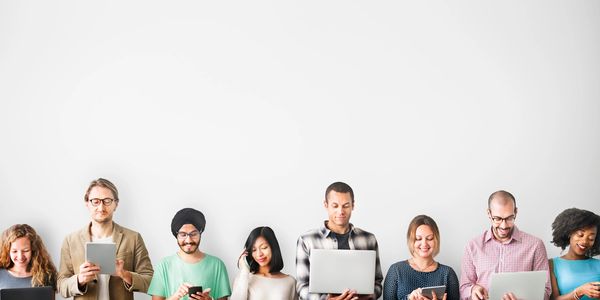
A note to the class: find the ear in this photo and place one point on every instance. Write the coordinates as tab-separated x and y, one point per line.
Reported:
515	212
325	203
489	212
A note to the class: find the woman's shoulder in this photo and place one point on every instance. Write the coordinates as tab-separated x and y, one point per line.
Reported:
445	268
400	266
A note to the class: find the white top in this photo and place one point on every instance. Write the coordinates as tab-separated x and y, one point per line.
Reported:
248	286
103	293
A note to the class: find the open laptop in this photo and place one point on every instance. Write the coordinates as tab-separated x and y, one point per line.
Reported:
524	285
333	271
30	293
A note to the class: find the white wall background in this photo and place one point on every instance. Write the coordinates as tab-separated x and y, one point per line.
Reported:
248	110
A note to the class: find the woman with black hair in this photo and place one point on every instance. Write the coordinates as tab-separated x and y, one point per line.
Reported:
576	275
260	266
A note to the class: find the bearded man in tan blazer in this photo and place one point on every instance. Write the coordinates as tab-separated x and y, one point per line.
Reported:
81	279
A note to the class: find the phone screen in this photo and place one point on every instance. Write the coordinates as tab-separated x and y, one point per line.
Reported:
194	289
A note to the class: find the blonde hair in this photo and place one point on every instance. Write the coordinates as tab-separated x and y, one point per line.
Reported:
411	234
101	182
43	271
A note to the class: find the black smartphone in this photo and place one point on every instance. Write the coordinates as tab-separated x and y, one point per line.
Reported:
194	289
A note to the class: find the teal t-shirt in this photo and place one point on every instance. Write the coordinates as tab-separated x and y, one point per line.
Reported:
172	271
572	273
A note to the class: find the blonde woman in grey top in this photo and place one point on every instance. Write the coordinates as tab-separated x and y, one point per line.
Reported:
260	264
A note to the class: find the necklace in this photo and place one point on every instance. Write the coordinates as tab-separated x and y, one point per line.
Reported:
422	269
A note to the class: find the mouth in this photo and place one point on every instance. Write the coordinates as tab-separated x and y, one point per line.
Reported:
582	247
503	230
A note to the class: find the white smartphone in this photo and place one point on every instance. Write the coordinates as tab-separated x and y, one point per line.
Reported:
438	290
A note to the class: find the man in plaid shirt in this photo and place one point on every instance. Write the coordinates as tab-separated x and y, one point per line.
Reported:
336	233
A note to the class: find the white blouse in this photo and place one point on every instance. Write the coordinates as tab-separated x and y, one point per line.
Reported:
247	286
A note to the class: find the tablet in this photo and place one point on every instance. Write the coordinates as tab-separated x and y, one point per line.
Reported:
102	255
333	271
439	291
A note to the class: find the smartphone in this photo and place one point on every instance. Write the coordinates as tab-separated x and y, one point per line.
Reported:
438	290
194	289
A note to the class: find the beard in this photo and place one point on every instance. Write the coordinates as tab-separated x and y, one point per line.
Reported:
193	247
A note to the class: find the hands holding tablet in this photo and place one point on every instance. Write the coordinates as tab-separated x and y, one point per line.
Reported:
430	293
88	271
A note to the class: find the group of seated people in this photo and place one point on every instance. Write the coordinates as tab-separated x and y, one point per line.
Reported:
25	262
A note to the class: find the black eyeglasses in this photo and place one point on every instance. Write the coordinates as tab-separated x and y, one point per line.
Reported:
183	235
499	220
105	201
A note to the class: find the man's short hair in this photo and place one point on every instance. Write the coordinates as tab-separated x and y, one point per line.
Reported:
105	183
411	233
502	195
339	187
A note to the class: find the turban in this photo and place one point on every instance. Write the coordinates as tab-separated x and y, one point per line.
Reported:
188	216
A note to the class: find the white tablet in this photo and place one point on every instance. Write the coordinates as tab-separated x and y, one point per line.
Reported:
524	285
333	271
103	255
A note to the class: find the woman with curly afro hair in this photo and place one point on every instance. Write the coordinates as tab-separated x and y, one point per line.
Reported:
576	275
24	260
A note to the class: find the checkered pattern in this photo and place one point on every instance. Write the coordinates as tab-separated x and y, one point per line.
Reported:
321	239
485	255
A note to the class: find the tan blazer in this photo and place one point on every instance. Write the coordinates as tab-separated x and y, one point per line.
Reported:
130	248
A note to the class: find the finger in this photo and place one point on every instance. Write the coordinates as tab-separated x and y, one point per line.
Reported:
445	296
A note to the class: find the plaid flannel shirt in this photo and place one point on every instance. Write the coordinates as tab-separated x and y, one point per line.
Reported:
321	239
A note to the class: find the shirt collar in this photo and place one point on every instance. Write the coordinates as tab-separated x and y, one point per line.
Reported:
325	232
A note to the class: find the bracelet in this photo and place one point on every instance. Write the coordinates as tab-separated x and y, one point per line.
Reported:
575	295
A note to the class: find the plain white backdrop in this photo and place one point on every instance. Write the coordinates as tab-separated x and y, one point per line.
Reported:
248	110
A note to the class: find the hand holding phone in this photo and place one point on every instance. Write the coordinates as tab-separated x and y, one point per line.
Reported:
194	289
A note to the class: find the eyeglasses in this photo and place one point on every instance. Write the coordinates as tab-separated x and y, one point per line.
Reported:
105	201
499	220
183	235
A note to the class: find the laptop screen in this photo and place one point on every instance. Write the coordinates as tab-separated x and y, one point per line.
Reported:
32	293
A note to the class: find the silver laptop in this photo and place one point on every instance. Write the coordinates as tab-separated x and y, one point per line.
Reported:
333	271
524	285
